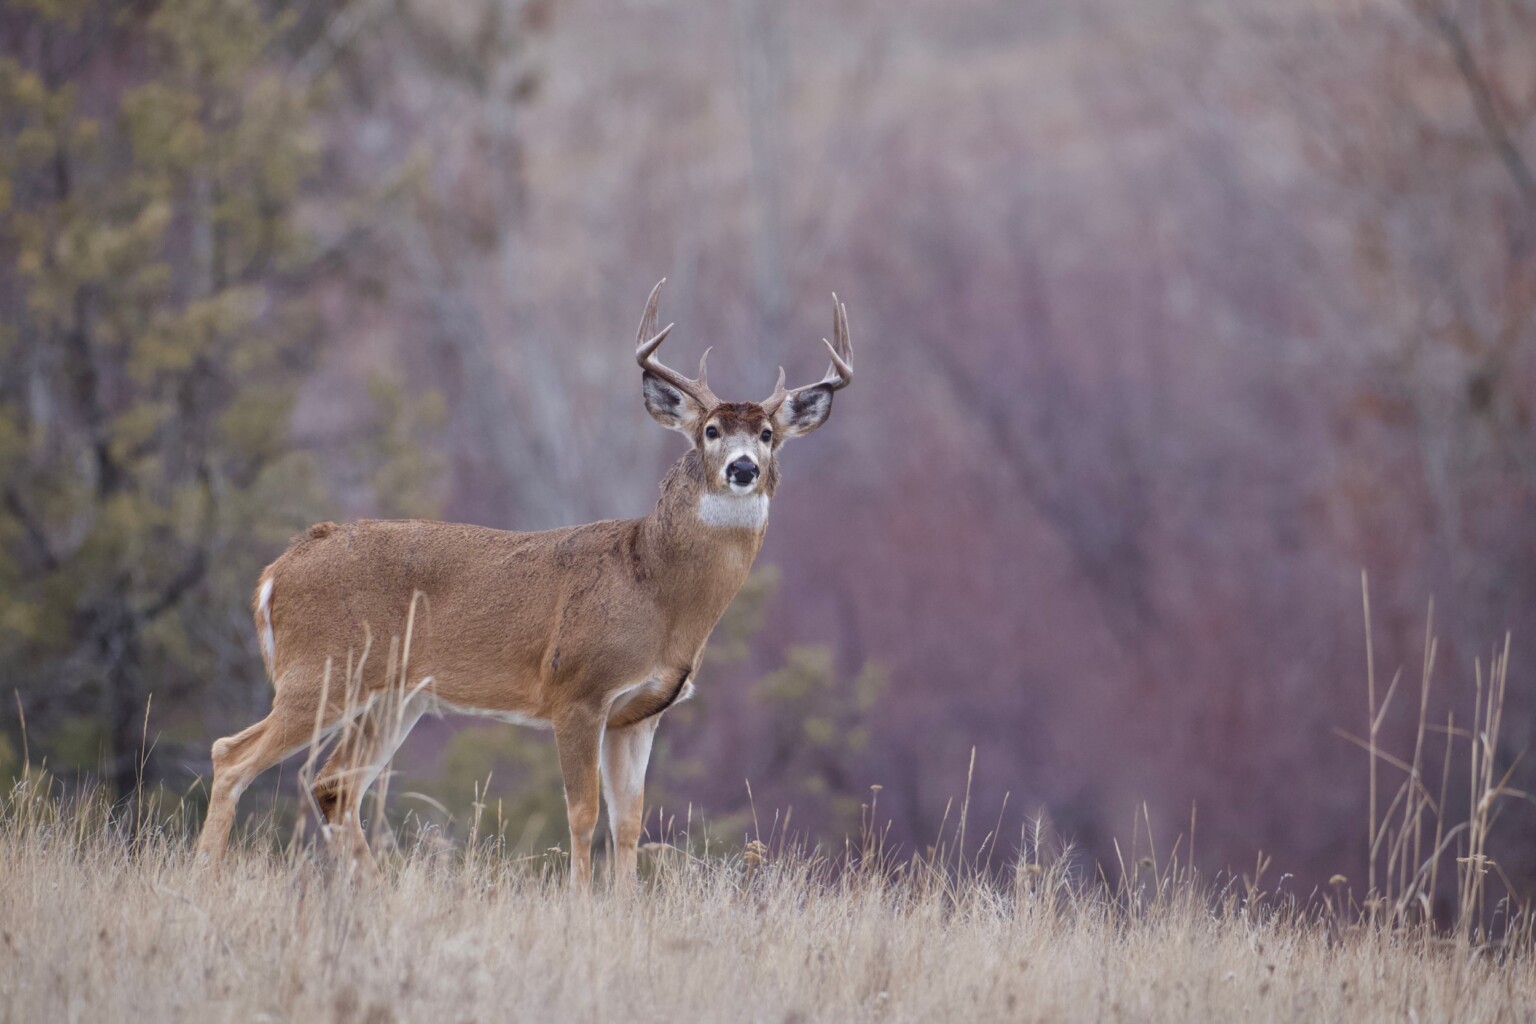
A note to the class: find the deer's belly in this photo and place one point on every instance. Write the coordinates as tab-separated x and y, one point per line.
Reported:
440	707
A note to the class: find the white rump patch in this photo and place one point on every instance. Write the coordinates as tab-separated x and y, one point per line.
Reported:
264	609
749	511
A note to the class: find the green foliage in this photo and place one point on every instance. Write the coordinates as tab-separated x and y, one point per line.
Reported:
10	758
820	725
732	639
158	322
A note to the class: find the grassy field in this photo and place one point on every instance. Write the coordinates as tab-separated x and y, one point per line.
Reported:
105	916
105	921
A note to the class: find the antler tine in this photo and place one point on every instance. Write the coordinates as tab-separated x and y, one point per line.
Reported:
645	351
772	402
839	373
648	321
842	353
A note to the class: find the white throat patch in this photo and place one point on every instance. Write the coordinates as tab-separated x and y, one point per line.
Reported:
744	510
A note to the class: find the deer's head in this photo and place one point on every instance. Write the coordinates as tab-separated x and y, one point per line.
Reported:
738	442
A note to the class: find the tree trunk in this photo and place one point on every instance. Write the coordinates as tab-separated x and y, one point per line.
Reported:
127	758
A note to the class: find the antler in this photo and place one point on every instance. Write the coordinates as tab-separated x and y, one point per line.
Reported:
839	374
645	350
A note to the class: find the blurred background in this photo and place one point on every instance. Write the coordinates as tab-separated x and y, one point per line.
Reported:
1170	318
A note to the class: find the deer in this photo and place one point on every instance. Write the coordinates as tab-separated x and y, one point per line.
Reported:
593	631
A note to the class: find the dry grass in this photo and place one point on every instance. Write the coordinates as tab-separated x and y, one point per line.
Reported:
103	924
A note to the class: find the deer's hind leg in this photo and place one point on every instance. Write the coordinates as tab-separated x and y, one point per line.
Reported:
238	759
362	752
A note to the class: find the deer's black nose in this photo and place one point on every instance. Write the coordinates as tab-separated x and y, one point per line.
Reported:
742	471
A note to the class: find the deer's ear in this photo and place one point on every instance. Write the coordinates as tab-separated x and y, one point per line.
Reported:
669	406
803	411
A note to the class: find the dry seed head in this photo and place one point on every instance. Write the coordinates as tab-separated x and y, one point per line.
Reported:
755	855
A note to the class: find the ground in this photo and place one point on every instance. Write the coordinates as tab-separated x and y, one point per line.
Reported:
101	926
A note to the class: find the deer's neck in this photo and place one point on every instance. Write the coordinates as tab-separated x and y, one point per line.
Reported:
701	540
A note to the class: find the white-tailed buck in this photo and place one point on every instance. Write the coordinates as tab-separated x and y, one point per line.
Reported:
592	630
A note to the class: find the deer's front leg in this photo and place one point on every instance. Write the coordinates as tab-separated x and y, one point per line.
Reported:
579	738
626	752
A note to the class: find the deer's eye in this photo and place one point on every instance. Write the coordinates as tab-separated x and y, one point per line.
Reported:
711	432
767	436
